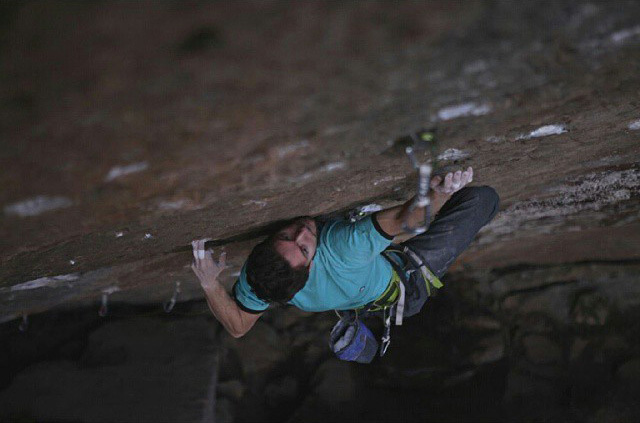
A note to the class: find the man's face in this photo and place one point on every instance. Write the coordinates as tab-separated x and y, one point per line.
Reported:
297	242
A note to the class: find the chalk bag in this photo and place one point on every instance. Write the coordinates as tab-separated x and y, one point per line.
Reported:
353	341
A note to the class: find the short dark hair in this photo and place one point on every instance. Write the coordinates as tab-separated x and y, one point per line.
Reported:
271	276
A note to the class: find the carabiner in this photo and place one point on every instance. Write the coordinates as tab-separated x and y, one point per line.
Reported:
424	170
386	337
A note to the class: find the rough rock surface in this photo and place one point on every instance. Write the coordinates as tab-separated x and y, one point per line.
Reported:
129	129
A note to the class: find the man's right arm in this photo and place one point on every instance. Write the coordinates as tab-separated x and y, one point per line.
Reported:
235	320
391	220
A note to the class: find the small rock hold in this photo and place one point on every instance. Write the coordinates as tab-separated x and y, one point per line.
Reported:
148	236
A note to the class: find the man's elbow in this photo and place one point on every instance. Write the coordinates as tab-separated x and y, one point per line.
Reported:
236	332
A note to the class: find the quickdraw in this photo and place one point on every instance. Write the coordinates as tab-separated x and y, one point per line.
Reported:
422	141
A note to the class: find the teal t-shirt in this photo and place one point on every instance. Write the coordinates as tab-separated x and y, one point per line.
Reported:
347	271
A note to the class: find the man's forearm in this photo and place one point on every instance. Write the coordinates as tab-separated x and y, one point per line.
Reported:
227	312
391	220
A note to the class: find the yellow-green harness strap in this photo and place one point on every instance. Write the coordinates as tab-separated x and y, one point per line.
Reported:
427	275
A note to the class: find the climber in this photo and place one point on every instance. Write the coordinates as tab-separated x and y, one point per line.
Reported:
340	265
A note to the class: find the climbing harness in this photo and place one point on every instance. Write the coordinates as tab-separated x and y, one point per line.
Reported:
422	141
398	307
416	262
351	340
428	276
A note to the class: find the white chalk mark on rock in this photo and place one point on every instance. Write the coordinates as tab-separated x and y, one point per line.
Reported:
370	208
37	205
259	203
332	130
453	154
72	262
544	131
634	126
119	171
620	36
45	282
331	167
387	179
148	236
172	205
119	234
110	290
475	67
286	150
462	110
494	139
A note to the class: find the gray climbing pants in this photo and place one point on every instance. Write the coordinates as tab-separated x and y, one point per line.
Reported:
449	234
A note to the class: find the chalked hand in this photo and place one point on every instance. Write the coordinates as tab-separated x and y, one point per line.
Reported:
206	269
452	182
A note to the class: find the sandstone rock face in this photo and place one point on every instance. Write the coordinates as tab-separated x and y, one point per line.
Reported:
127	130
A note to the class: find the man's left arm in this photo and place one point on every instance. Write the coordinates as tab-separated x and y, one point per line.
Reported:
391	220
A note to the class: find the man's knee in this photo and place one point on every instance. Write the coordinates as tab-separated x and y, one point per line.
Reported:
489	200
485	198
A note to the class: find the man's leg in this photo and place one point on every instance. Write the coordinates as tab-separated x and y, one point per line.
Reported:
454	227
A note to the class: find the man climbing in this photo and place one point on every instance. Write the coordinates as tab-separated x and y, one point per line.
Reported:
342	265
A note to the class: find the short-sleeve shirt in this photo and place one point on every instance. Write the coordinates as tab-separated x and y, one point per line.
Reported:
347	271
